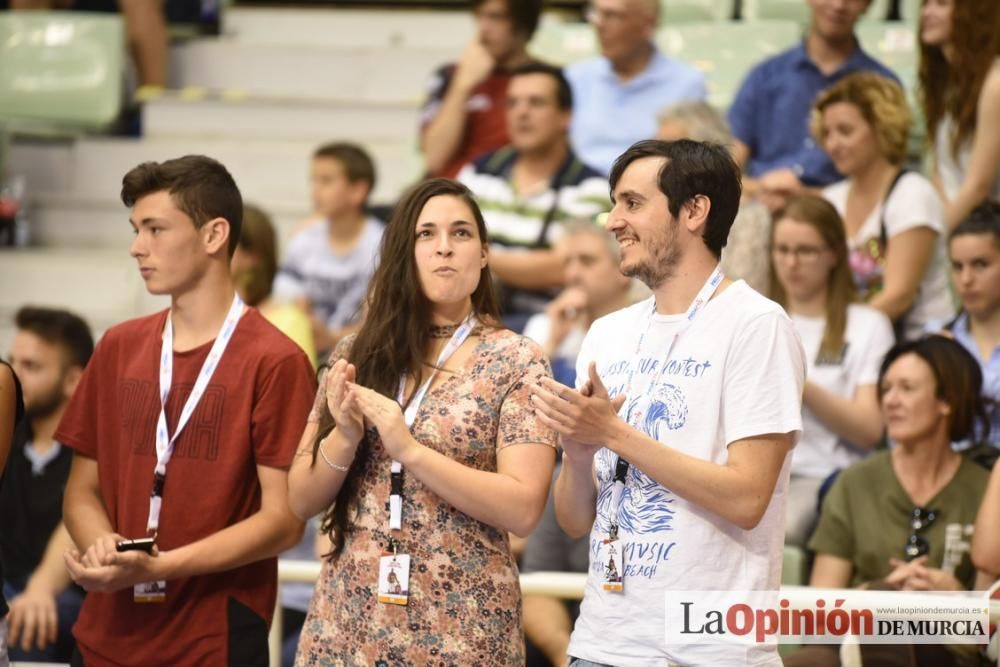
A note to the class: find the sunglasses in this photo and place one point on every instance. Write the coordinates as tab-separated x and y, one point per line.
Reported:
917	545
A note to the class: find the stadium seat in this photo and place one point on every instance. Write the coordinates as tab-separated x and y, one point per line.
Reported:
60	70
793	567
686	11
564	43
798	10
726	51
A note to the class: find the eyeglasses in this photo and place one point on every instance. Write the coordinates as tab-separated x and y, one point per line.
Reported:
920	519
804	253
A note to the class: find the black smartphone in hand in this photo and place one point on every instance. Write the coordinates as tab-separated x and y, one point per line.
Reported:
142	544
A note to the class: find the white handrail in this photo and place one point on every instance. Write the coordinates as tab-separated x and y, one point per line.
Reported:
566	585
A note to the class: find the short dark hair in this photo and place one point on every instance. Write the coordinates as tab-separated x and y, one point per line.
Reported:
564	94
58	327
692	168
199	186
357	163
524	14
958	381
984	219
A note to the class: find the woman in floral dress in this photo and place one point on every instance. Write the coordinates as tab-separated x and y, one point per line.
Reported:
434	384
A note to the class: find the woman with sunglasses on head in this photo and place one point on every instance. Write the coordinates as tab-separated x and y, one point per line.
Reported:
424	451
903	518
844	343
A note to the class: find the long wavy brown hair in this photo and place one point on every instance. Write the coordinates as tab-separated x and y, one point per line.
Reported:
953	87
395	336
823	217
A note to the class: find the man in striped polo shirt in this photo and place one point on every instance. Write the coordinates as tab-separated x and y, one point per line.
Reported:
528	189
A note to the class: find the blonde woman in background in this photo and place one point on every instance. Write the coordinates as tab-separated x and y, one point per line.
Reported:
894	218
254	266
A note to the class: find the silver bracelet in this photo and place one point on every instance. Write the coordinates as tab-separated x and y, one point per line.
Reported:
330	463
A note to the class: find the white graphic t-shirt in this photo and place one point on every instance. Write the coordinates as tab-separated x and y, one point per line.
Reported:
736	372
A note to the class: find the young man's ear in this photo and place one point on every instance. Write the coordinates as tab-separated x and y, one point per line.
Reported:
215	232
694	213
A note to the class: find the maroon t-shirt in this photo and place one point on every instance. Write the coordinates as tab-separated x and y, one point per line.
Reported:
252	413
486	111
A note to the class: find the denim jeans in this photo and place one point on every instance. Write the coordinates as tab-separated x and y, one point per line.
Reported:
580	662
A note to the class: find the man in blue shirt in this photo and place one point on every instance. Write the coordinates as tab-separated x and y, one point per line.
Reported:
618	95
770	115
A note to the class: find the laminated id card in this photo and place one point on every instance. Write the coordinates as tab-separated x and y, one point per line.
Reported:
610	557
394	579
150	591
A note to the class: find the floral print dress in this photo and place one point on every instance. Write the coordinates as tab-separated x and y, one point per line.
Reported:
464	598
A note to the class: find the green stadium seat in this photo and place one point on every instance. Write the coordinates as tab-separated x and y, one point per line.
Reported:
726	51
793	567
60	70
686	11
564	43
798	11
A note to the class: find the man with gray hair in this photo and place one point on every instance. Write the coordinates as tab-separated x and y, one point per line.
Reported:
746	254
630	82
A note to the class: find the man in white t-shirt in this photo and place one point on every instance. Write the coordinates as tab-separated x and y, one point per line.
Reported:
699	390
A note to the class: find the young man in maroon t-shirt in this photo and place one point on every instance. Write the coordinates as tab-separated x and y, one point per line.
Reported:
205	593
464	116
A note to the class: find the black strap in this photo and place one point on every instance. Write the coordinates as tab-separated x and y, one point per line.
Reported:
621	470
569	171
883	237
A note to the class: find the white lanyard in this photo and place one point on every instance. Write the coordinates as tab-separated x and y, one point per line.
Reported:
703	296
165	441
410	416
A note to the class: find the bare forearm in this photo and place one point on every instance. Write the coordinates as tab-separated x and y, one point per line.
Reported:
575	496
494	498
262	535
547	624
85	517
533	269
857	421
736	495
986	538
443	135
893	304
312	488
51	574
966	199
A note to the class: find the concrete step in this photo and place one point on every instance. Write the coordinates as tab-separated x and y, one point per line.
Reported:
415	28
92	168
102	286
307	71
72	221
230	117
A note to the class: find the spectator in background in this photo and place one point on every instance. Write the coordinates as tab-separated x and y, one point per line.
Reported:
986	543
743	256
327	266
893	217
594	287
463	116
844	343
254	267
49	352
960	92
901	519
974	248
770	115
145	26
11	413
619	93
527	190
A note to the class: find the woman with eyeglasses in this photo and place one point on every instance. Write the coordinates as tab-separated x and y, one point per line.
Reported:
903	519
893	217
844	343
